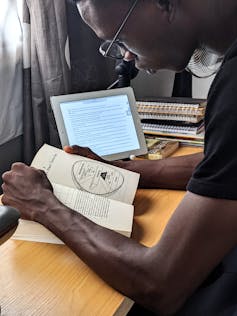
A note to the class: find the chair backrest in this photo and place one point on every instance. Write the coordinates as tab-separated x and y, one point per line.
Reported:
9	217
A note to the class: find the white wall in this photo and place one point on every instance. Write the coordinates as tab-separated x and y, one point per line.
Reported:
161	84
201	87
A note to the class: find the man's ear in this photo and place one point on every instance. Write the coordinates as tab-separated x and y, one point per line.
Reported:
168	6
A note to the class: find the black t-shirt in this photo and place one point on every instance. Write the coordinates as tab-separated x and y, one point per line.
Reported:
216	175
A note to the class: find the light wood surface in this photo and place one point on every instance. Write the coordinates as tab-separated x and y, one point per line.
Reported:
44	279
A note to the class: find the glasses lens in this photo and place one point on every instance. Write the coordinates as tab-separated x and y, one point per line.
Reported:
115	50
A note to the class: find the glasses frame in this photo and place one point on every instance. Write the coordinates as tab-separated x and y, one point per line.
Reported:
113	41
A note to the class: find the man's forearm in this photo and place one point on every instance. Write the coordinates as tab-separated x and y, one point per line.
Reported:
169	173
120	261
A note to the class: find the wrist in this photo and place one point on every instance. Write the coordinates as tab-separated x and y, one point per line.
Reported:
47	202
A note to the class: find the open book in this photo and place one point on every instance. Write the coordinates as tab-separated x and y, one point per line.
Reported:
101	192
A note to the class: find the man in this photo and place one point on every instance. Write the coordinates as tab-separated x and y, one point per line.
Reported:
203	229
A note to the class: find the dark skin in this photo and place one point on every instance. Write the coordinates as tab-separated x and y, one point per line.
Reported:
205	233
153	174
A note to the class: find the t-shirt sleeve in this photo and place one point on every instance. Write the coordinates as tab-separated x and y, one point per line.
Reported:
216	175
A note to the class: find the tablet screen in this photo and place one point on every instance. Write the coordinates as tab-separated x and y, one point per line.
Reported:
106	121
104	124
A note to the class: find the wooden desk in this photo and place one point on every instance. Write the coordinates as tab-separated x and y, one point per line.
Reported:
43	279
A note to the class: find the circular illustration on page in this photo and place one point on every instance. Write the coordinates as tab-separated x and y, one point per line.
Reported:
96	178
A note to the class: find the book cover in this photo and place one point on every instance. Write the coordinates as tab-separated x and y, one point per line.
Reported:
159	149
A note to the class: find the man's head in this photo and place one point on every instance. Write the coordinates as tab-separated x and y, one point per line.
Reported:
158	34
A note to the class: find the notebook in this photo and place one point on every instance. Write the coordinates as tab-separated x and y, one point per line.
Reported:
185	107
187	129
180	117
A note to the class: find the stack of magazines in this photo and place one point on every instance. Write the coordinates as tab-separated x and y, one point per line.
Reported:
180	119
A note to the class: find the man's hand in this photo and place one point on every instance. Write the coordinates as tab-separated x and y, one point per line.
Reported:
83	151
26	189
154	173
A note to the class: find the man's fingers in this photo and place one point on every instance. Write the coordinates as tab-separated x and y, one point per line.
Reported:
68	149
76	150
18	166
83	151
5	200
5	175
8	176
4	187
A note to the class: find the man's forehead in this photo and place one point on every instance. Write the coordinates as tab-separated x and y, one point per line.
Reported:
103	8
103	19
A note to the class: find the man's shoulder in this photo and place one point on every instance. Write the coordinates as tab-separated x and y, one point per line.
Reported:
231	52
226	77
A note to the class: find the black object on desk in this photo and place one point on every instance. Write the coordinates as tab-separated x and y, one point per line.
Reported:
9	217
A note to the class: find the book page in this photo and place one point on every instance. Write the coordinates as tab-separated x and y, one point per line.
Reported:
86	174
108	213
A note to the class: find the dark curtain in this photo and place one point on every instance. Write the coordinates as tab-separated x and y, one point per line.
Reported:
60	56
46	71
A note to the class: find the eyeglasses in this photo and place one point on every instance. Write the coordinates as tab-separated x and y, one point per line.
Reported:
114	49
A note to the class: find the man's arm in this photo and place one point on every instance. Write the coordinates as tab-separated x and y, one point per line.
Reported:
199	234
169	173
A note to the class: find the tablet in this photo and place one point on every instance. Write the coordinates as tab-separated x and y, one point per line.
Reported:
105	121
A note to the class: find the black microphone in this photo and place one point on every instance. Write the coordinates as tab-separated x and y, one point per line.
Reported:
126	71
